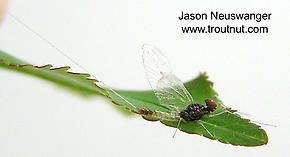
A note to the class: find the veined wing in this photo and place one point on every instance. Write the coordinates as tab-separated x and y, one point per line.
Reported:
168	89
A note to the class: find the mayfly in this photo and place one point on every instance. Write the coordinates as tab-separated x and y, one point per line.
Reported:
170	91
172	94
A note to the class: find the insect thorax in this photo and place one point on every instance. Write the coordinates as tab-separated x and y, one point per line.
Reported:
194	112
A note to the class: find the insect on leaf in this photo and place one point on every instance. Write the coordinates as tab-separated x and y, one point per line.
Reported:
227	128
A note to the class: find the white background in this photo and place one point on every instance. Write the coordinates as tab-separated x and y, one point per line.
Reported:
250	72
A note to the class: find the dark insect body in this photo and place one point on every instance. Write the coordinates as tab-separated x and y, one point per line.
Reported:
196	111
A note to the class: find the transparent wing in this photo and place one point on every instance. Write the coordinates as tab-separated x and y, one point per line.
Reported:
168	89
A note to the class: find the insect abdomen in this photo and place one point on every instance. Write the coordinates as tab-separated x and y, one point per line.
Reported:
159	114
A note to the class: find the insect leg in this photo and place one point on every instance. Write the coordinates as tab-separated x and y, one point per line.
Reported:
264	123
205	129
176	128
245	114
225	110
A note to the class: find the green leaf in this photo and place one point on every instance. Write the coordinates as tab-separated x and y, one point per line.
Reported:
75	81
227	127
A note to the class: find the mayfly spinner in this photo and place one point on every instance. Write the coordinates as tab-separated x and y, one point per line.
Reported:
170	91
